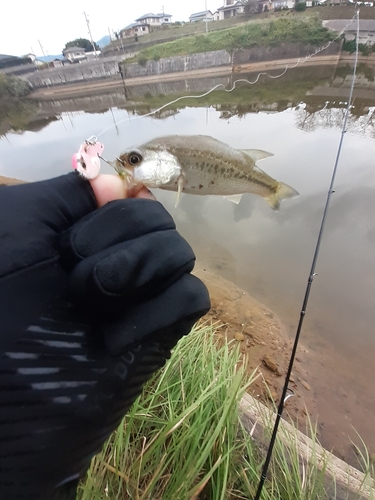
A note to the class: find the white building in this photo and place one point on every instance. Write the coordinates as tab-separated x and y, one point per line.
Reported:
201	16
74	54
154	19
231	8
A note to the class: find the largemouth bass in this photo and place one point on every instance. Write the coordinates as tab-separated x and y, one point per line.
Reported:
199	164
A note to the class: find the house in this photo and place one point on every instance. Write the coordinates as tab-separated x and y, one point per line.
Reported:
74	54
34	60
154	19
264	5
134	29
216	15
56	63
201	16
145	24
231	8
282	4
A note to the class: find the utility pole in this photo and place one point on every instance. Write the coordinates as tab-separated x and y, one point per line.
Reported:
205	3
92	41
41	48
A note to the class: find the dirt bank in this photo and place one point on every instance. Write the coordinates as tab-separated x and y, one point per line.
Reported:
263	343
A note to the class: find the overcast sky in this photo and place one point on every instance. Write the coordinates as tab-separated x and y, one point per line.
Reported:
24	22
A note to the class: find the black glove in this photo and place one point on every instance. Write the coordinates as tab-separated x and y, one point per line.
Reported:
91	303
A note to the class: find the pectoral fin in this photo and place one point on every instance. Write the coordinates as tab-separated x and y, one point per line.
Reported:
256	154
180	187
234	198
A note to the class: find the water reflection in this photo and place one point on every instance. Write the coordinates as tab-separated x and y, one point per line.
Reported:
319	93
268	254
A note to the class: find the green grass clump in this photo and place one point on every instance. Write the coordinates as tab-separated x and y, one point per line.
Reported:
269	34
183	438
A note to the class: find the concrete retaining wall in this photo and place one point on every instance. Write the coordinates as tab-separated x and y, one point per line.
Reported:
178	64
82	72
110	68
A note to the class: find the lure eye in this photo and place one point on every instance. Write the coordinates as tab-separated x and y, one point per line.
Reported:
134	158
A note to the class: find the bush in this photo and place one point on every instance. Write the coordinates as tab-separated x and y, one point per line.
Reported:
13	87
349	46
300	6
142	60
364	48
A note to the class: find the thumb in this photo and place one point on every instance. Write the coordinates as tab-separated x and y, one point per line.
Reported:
111	187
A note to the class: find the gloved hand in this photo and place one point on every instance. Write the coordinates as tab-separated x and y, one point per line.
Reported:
91	303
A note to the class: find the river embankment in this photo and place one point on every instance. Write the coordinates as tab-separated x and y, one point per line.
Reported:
201	66
91	87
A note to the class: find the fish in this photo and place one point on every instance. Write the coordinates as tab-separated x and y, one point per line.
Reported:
201	165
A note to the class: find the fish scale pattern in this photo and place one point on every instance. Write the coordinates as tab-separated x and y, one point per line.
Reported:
62	396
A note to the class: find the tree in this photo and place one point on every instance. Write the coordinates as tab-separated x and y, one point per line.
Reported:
82	42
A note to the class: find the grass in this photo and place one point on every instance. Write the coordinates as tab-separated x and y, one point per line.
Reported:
268	34
177	31
189	29
183	438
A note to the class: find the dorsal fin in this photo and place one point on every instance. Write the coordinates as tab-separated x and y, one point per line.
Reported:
256	154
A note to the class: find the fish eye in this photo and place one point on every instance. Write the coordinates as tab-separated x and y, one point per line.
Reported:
134	158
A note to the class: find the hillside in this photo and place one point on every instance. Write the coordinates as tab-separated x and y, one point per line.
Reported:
268	33
174	32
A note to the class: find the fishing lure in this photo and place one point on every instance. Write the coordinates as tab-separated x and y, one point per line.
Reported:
87	161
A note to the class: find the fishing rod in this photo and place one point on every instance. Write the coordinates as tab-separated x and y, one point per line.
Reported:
309	282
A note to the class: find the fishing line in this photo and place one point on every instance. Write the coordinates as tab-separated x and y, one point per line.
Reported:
241	80
310	280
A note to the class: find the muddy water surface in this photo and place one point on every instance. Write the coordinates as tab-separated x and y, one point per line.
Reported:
267	254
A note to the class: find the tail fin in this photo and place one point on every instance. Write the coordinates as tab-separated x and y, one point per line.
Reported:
283	191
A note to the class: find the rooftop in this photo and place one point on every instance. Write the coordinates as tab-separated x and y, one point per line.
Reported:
158	16
199	14
233	6
134	25
73	49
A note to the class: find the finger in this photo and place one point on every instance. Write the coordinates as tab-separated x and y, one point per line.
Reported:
116	222
108	188
112	187
131	270
32	214
144	193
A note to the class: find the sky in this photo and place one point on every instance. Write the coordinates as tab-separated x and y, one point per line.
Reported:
24	23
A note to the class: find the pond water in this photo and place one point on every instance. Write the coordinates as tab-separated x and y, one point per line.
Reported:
298	118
